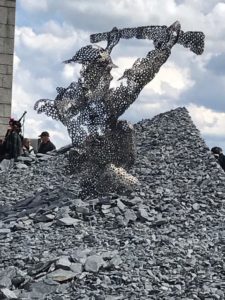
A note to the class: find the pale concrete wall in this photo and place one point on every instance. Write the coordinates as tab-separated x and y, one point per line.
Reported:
7	29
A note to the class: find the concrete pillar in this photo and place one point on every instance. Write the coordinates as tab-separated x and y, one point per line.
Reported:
7	29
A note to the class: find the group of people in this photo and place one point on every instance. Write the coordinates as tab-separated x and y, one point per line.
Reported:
14	144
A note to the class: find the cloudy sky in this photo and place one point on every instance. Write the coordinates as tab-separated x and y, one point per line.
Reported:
51	31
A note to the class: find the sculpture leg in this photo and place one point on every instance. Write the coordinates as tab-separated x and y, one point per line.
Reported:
104	163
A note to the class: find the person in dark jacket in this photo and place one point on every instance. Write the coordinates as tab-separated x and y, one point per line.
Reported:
218	153
2	150
13	141
45	145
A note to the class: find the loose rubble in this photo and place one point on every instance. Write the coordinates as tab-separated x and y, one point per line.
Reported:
165	240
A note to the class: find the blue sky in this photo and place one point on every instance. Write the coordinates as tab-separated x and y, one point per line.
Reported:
51	31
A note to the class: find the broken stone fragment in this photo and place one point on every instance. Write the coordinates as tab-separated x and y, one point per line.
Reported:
40	267
76	268
109	254
4	231
94	263
7	294
196	206
21	166
63	263
130	215
115	261
25	159
121	221
131	202
61	275
6	276
68	221
79	255
121	205
39	289
143	214
5	281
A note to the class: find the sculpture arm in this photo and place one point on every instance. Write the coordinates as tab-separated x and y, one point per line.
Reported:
140	74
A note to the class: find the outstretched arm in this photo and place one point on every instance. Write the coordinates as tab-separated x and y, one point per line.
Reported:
145	69
140	74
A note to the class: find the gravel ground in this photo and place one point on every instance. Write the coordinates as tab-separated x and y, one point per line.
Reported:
166	240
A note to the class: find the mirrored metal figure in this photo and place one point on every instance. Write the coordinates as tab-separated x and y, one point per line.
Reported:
104	147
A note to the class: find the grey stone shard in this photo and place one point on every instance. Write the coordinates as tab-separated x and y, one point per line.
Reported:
121	205
7	294
25	159
130	215
39	290
80	255
21	166
40	267
5	281
143	214
196	206
68	221
6	276
61	275
76	268
4	231
63	263
94	263
115	261
6	165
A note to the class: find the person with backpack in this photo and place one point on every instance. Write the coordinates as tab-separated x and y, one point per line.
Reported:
13	141
218	154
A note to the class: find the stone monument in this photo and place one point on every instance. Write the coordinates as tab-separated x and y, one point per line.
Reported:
7	29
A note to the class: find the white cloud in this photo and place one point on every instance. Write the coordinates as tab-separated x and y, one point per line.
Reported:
38	6
45	43
171	76
56	29
208	121
71	72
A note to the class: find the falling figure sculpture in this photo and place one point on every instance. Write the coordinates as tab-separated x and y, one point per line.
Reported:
103	146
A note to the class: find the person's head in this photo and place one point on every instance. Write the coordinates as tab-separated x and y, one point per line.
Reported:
11	122
16	126
44	137
216	151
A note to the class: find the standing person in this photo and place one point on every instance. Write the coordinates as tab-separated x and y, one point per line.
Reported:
2	150
13	141
218	153
45	145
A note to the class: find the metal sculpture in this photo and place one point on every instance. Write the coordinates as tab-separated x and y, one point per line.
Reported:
104	147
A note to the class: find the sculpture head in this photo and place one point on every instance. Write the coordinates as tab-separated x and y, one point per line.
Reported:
92	54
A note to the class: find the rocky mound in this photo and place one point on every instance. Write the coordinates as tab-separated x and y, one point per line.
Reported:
164	241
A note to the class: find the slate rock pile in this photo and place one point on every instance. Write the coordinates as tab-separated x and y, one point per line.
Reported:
165	240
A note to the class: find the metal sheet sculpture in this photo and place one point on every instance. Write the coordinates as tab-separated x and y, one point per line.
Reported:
104	147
